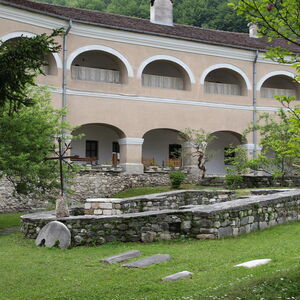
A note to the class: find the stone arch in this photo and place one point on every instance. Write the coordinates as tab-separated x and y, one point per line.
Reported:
233	68
224	139
162	147
104	49
99	141
18	34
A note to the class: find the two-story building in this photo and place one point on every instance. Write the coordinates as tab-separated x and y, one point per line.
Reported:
131	85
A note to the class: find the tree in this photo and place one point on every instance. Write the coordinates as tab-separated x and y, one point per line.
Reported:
27	56
199	140
28	123
279	19
27	138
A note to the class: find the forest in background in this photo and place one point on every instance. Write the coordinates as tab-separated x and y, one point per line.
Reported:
213	14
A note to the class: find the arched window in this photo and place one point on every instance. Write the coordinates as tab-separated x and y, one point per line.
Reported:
225	81
98	66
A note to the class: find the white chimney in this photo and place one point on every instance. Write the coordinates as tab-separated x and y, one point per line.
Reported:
161	12
253	30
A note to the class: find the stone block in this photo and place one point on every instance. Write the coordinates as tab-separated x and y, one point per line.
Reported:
98	212
225	231
186	225
87	205
148	237
94	205
121	257
254	263
204	236
107	212
105	205
177	276
244	221
263	225
148	261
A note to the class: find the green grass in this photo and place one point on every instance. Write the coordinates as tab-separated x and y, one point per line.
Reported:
9	220
28	272
159	189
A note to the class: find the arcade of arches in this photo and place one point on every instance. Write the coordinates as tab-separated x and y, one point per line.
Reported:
103	144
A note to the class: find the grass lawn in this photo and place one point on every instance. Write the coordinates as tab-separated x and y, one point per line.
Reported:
28	272
9	220
160	189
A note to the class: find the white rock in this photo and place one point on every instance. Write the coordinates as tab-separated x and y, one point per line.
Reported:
254	263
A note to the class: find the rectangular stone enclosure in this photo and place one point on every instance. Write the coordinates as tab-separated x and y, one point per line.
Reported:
205	221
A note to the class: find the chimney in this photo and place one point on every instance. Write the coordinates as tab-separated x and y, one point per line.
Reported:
253	30
161	12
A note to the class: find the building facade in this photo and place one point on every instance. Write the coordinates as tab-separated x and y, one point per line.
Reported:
132	85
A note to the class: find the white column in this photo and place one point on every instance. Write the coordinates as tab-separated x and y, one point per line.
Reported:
131	155
189	162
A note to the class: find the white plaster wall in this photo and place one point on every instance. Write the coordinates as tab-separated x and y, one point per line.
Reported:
224	140
95	132
156	144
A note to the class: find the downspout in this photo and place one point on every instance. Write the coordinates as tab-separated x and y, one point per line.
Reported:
64	79
254	116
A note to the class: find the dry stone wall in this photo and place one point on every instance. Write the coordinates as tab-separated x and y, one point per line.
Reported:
230	218
154	202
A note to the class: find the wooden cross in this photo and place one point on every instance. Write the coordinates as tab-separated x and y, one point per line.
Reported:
62	159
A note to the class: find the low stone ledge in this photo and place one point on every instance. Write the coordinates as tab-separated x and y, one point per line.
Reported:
231	218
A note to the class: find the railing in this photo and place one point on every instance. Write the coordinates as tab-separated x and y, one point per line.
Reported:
222	88
93	74
271	92
164	82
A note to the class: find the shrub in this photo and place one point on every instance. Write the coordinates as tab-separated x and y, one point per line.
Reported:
176	178
233	181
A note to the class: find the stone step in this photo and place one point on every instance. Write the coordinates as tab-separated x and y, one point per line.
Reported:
254	263
121	257
177	276
148	261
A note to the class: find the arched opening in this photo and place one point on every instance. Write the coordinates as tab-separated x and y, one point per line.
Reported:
50	68
166	75
280	85
225	81
219	161
162	148
98	144
98	66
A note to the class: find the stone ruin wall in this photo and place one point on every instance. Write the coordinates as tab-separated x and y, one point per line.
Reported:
226	219
97	184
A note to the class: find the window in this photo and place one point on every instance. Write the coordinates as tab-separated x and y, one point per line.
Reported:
174	151
115	147
91	149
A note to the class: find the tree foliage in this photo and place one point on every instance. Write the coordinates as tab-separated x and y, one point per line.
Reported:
28	123
27	138
213	14
27	56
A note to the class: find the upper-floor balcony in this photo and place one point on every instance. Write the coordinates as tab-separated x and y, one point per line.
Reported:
95	74
165	82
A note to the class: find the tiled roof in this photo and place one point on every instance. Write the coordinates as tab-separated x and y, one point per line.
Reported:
98	18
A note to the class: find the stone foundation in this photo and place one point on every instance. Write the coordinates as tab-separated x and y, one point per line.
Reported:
212	221
154	202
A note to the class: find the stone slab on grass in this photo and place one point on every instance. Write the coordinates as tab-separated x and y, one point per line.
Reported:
177	276
54	233
121	257
148	261
254	263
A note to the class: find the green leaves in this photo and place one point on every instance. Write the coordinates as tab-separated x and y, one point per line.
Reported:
27	138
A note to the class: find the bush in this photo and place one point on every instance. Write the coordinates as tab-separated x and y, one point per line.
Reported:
176	178
233	181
